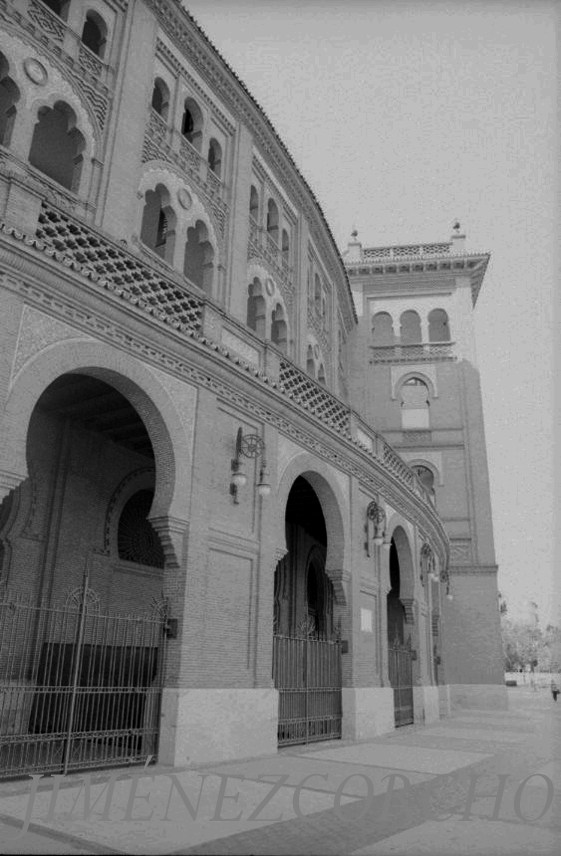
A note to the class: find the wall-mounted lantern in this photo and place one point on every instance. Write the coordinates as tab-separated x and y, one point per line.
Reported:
375	526
248	446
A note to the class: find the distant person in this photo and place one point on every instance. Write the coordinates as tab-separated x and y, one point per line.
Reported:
554	690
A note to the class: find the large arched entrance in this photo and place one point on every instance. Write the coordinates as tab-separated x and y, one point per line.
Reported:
400	667
82	611
307	648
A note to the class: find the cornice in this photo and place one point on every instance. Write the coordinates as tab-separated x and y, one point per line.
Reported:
194	358
189	37
472	264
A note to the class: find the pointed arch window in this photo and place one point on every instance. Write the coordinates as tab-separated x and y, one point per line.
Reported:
254	203
439	327
158	223
273	220
198	263
192	123
410	328
310	362
278	328
57	145
414	404
9	98
160	98
256	308
94	34
382	329
215	157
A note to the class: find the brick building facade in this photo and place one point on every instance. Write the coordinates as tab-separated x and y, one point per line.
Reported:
190	422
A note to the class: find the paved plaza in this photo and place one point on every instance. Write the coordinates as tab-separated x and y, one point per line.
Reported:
323	799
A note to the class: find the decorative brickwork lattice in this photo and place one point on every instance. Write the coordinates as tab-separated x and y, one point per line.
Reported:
313	397
129	278
47	20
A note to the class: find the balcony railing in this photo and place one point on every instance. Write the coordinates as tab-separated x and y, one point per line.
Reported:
409	251
112	267
58	31
427	352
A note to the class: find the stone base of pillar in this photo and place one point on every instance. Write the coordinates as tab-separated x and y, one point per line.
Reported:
426	705
444	699
201	726
367	712
478	696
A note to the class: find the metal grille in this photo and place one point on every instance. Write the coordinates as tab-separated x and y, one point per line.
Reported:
78	689
307	673
401	678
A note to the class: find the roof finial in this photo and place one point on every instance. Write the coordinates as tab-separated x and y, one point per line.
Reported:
354	233
457	226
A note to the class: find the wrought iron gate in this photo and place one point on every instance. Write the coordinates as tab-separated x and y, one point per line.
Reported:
307	673
400	670
78	689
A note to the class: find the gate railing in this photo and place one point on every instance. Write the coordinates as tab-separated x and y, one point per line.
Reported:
78	689
400	672
307	673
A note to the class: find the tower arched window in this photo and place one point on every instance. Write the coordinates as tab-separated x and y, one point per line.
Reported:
439	327
414	404
160	98
382	329
57	145
273	220
192	123
215	157
137	541
254	203
198	263
9	97
410	328
279	328
158	223
321	375
425	476
256	308
94	34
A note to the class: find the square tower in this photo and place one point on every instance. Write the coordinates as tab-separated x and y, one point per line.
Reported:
414	377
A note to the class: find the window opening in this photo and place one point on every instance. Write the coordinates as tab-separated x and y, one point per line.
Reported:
136	539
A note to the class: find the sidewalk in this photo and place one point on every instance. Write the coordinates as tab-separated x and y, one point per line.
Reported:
268	806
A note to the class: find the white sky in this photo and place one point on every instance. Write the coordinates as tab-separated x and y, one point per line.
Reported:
403	117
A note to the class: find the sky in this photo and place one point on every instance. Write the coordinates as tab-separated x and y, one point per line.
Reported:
403	118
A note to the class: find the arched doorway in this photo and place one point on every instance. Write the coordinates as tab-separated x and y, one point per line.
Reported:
400	653
307	648
82	613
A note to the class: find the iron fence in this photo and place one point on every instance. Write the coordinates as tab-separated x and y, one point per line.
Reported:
78	689
400	671
307	673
